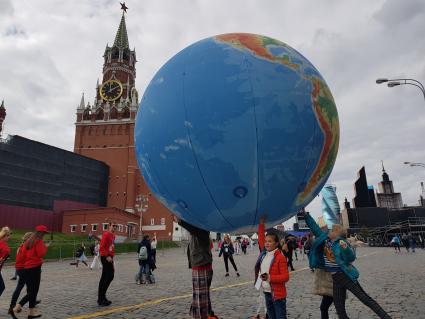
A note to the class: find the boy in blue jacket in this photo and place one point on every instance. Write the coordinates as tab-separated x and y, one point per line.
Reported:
330	251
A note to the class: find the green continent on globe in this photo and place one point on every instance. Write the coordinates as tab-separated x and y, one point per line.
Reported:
322	101
327	117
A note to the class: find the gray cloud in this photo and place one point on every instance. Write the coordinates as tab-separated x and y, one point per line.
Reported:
54	52
6	7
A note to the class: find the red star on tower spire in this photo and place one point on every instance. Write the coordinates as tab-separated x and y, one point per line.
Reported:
123	7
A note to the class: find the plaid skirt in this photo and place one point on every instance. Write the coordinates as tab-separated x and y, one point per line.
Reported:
201	302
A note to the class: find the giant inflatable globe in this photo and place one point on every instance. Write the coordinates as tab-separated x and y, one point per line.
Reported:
235	127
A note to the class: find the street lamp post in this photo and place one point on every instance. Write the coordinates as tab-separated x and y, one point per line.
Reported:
396	82
142	205
414	164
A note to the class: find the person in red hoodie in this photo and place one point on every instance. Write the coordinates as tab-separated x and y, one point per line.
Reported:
271	273
4	253
33	252
107	253
19	266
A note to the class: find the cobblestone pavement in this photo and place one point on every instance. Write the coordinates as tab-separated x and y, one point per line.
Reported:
397	281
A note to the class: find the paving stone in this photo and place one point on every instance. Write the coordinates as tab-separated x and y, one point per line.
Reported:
396	281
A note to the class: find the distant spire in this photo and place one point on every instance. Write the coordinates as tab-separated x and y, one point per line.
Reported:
121	39
2	116
385	176
82	103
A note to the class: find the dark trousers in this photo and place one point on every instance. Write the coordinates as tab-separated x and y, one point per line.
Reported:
226	262
275	309
289	258
2	286
324	306
32	279
341	283
106	278
153	252
19	286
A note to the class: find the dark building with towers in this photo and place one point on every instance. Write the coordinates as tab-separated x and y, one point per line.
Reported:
383	214
365	195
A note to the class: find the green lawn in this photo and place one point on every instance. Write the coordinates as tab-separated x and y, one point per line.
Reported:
64	246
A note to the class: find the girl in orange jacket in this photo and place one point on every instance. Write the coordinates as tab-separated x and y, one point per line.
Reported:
271	271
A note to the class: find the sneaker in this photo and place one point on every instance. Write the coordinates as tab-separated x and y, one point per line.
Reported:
237	274
104	303
227	274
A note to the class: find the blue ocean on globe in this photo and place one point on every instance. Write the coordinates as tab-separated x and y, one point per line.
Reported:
236	127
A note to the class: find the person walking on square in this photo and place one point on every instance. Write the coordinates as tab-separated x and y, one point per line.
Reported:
81	256
96	256
107	253
271	274
288	251
237	246
145	255
244	245
19	268
200	261
405	241
227	251
4	253
154	243
412	242
33	252
395	242
330	251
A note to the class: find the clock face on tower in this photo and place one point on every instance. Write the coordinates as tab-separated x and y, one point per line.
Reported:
111	90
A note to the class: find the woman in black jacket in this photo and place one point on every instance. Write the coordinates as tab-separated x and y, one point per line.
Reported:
227	251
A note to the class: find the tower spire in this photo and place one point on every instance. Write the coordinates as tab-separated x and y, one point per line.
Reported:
82	103
121	38
2	116
383	168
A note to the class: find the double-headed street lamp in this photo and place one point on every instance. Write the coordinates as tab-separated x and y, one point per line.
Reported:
396	82
415	164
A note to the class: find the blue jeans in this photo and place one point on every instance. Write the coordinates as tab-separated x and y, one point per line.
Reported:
144	270
275	309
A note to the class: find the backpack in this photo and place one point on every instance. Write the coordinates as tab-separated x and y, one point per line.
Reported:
143	253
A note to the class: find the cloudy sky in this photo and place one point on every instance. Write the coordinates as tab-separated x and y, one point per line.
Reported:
51	51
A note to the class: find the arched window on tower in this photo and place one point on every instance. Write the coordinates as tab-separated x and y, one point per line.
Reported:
86	114
125	113
113	115
100	115
115	54
126	55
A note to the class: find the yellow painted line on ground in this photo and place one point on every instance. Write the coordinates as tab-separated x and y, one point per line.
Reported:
157	301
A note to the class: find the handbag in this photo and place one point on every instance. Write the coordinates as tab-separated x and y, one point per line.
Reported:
323	284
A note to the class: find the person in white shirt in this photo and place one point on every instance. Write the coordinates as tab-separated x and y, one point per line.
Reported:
96	258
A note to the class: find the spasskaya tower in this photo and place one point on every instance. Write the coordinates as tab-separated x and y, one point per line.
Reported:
105	131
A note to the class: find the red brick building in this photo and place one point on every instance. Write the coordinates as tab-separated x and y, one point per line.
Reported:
105	132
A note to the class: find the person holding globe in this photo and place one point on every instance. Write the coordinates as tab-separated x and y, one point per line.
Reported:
330	251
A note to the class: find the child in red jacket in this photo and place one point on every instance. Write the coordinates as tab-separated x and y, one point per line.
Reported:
271	273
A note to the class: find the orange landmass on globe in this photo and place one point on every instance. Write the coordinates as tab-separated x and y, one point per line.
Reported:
331	137
257	45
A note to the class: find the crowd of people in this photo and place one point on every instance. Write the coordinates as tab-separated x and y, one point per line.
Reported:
329	253
330	258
